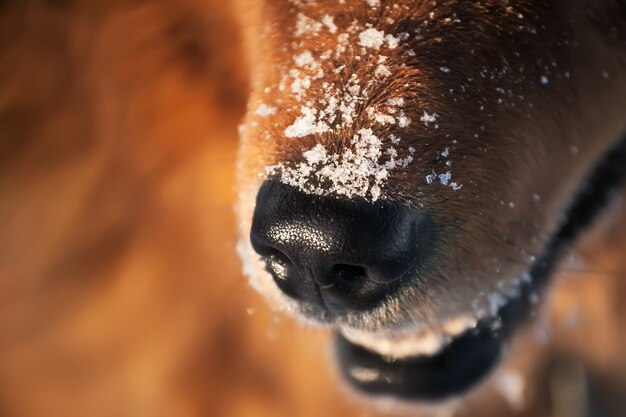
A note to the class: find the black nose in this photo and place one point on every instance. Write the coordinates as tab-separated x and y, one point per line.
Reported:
342	254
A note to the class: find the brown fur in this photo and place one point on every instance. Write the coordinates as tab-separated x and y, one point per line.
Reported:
518	136
511	142
120	290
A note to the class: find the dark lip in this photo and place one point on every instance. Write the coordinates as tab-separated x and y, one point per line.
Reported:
469	357
463	362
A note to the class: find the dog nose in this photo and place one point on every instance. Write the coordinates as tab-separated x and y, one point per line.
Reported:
342	254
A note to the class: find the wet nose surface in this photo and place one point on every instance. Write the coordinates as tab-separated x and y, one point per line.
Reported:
344	255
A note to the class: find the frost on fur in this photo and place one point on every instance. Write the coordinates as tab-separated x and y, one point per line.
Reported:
359	171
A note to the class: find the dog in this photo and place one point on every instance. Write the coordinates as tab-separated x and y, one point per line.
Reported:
412	175
120	286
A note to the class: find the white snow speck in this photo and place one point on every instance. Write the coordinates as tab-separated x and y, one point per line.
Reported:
315	155
511	385
264	110
428	118
396	101
373	3
403	121
382	71
343	38
305	24
544	80
329	22
445	178
372	38
392	41
375	192
305	125
496	301
305	59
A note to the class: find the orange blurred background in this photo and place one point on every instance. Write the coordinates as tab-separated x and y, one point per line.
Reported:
120	290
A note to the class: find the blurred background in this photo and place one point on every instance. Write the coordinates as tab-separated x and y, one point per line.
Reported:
120	290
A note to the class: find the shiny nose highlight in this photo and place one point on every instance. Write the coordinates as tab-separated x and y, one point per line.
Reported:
344	255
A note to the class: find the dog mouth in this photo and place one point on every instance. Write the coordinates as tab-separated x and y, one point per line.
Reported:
438	364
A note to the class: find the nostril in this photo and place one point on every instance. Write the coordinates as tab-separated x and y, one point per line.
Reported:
278	264
349	273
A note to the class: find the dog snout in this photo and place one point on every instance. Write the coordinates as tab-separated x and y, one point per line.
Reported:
341	254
